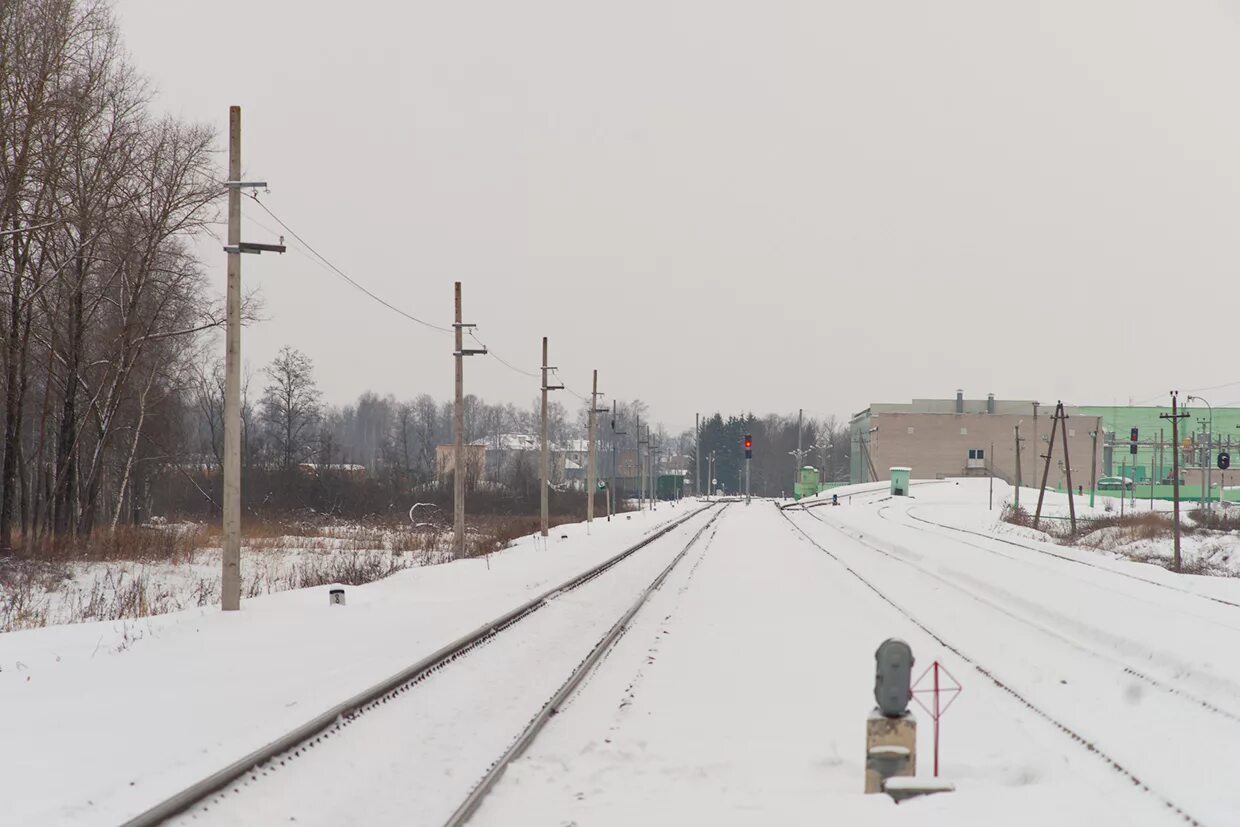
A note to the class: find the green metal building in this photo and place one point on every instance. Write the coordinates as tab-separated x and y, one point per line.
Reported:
1203	434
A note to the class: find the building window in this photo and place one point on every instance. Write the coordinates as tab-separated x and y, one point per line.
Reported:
910	429
1072	432
964	431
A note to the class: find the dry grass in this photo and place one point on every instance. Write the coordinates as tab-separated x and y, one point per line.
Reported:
132	543
1145	525
1217	519
1111	532
138	572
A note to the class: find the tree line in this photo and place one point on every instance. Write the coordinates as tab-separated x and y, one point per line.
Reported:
110	397
773	468
103	302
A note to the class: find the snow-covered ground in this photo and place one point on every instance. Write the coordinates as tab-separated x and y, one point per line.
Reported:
1214	552
1097	690
102	720
75	592
739	699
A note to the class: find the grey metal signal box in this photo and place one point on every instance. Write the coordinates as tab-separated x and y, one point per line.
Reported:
893	676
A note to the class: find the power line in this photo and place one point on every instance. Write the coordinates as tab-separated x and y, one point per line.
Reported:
1188	390
500	359
344	275
556	371
319	258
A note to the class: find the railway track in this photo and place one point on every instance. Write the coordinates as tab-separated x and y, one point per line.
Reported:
523	741
309	736
1070	559
1071	732
1127	668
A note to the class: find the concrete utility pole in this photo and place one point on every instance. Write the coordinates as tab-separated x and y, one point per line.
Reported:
1208	473
796	472
1175	418
613	502
591	460
641	467
992	476
230	585
653	450
1093	467
230	588
697	454
1123	494
460	463
545	457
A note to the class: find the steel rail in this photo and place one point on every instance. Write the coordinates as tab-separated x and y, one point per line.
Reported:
471	803
1070	559
216	781
1174	691
998	682
816	502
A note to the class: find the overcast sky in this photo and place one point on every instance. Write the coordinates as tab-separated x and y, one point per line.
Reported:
736	205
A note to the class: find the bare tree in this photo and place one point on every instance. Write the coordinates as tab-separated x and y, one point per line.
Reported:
290	407
103	300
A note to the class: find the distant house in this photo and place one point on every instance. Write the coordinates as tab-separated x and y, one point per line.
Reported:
475	462
348	471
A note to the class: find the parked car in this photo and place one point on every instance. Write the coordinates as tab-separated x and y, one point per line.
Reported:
1115	484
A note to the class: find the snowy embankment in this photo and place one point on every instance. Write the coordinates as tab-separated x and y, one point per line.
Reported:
1124	655
1147	540
107	718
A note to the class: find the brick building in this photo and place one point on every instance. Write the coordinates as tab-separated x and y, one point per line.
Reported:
939	438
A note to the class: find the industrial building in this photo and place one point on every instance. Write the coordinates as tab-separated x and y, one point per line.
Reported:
1204	434
940	438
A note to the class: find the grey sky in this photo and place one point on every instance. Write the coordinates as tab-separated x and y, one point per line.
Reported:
812	204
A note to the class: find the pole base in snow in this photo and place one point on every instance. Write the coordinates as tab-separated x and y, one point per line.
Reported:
890	749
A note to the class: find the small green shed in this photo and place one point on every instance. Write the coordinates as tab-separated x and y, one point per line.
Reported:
899	481
807	484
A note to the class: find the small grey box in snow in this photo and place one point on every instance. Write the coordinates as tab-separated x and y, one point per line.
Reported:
336	597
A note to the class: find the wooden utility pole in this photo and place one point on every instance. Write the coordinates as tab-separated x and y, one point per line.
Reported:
230	587
592	460
1046	470
1175	418
1067	463
460	463
545	457
697	454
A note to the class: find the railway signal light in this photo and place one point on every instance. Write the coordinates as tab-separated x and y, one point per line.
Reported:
748	446
1132	444
1224	460
893	675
